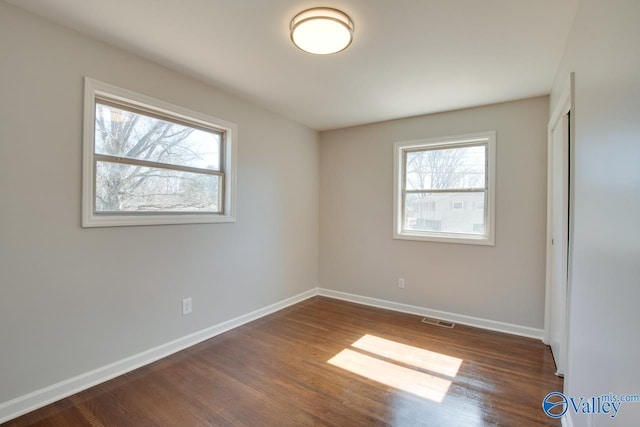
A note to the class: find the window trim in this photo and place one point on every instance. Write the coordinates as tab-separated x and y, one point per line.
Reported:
94	89
400	149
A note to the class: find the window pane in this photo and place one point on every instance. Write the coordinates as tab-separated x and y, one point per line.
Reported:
123	133
130	188
448	168
445	212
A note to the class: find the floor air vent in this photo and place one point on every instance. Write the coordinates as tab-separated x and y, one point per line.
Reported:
438	322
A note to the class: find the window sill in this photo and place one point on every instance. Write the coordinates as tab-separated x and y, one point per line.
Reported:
106	220
460	239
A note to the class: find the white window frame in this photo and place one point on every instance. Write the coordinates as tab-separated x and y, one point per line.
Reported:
399	150
90	218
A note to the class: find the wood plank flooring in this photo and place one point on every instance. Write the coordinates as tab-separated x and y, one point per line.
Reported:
327	362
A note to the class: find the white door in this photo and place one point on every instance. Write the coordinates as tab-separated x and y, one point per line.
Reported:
558	223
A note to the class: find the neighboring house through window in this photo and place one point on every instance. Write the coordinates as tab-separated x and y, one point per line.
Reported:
444	189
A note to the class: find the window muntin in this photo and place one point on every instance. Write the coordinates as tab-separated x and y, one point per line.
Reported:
444	189
149	162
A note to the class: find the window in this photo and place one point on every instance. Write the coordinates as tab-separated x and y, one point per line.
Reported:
148	162
437	181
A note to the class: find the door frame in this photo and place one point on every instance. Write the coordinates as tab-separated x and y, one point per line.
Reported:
564	105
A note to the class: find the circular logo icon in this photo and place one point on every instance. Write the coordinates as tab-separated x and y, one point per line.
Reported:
555	404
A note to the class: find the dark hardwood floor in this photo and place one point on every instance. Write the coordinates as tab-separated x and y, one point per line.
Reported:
327	362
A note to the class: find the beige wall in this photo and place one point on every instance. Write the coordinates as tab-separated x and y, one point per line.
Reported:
604	297
74	299
358	255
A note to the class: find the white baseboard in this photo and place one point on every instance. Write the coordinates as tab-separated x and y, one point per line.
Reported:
39	398
477	322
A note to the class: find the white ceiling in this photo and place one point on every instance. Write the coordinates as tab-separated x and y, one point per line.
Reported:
408	57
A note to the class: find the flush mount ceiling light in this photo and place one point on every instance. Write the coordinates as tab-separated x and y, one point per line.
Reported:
322	30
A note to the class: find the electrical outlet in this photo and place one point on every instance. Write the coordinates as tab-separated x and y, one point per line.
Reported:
187	306
401	283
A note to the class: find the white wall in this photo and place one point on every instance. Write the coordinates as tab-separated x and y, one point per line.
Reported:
604	342
358	255
74	299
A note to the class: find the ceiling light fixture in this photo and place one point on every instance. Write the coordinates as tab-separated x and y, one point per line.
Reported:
321	30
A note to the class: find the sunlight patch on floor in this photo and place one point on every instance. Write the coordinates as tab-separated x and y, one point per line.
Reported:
400	366
396	376
409	355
